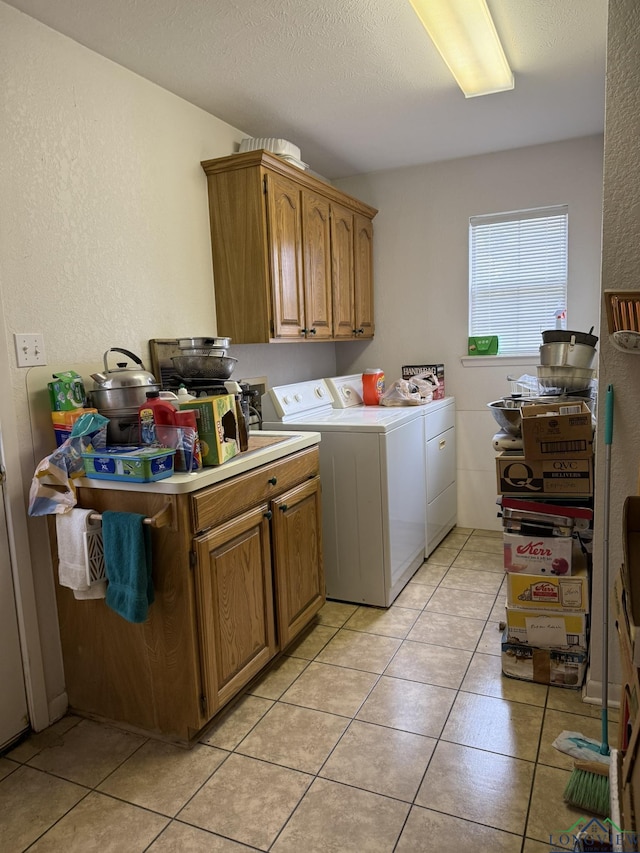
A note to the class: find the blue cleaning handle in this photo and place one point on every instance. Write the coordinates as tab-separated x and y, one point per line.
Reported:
608	416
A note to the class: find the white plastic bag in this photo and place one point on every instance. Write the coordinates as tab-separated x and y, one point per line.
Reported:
403	392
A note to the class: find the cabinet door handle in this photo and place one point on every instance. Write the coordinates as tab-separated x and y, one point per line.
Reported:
283	508
272	480
442	444
303	332
268	515
312	331
361	331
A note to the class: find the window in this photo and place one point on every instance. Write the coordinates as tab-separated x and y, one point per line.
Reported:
517	275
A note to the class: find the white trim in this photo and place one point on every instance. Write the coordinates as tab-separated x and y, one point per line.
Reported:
58	707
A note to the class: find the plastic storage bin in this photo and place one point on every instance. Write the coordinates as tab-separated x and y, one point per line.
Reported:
133	464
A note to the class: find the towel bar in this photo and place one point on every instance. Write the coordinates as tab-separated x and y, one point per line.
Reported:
162	518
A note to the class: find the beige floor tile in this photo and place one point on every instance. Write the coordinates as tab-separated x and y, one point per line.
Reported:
408	705
100	824
549	816
468	559
498	610
427	831
382	760
457	602
415	595
312	642
335	613
464	531
338	818
30	801
237	722
394	622
38	741
485	677
562	699
490	641
509	728
429	664
163	777
87	753
473	580
556	722
531	846
247	800
455	539
7	767
180	838
441	629
485	544
278	678
334	689
295	737
477	785
430	574
354	649
442	556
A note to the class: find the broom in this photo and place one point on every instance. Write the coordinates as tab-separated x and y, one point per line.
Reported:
588	787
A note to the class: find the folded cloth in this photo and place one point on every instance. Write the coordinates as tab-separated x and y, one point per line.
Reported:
72	556
127	557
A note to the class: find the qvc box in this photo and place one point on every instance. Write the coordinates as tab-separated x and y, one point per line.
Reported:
553	429
538	555
546	630
555	477
534	592
559	667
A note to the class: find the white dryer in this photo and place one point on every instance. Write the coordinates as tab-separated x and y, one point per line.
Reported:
372	464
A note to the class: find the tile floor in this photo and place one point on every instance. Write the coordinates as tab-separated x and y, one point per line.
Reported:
378	731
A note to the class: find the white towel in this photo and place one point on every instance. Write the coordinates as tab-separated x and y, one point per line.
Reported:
72	561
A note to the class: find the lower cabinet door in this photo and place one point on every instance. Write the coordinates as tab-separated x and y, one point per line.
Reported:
297	549
234	589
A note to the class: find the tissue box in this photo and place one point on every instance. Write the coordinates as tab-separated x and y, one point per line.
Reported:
133	464
217	427
66	392
483	345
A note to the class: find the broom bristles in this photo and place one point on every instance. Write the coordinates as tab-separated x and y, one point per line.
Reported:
589	792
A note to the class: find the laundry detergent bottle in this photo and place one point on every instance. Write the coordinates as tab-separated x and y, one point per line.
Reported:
372	386
153	413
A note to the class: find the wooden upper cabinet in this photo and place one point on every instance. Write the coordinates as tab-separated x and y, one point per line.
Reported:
287	263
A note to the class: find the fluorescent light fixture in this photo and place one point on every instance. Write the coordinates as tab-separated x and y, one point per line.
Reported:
465	35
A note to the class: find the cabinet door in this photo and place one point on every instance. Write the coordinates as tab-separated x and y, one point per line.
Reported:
363	275
297	549
342	272
285	247
316	261
234	592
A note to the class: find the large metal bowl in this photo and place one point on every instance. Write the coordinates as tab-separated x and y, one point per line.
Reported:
204	366
506	413
560	354
564	379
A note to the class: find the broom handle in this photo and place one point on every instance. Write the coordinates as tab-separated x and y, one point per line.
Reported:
608	438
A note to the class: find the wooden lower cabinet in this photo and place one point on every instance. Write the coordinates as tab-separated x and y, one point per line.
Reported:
234	585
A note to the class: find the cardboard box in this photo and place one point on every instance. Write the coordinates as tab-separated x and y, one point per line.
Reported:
547	432
66	391
538	555
556	477
63	422
533	592
547	630
559	667
437	370
628	630
217	427
483	345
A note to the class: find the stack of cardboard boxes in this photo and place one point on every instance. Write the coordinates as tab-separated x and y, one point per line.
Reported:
546	496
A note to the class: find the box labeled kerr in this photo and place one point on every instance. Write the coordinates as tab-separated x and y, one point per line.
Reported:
537	555
546	630
556	477
533	592
217	427
553	429
559	667
437	370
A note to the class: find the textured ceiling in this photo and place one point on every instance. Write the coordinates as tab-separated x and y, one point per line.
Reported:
356	84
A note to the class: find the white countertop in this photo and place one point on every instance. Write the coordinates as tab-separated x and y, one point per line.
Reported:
259	453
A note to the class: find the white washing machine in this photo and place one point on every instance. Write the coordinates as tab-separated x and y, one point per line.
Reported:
372	464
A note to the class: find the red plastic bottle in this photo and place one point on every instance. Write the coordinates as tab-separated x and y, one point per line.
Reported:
372	386
155	412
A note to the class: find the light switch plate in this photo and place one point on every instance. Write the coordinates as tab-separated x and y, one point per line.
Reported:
29	349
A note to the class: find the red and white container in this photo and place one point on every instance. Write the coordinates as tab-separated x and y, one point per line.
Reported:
538	555
372	386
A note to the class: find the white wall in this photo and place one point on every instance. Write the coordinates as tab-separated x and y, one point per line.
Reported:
421	279
105	235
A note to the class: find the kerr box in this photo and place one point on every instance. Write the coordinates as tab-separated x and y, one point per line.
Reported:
217	427
556	477
437	370
552	430
546	630
533	592
559	667
537	555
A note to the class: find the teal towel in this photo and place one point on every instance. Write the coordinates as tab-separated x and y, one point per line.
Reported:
127	558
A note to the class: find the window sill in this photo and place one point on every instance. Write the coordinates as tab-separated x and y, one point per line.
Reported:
499	360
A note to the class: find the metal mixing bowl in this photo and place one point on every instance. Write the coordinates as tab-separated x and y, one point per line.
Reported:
506	413
204	366
564	379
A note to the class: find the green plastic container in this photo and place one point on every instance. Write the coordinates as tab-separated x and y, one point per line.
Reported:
133	464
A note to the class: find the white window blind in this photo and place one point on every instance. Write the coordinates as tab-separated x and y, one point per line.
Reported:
517	275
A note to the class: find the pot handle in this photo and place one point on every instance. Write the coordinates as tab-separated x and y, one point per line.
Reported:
126	352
